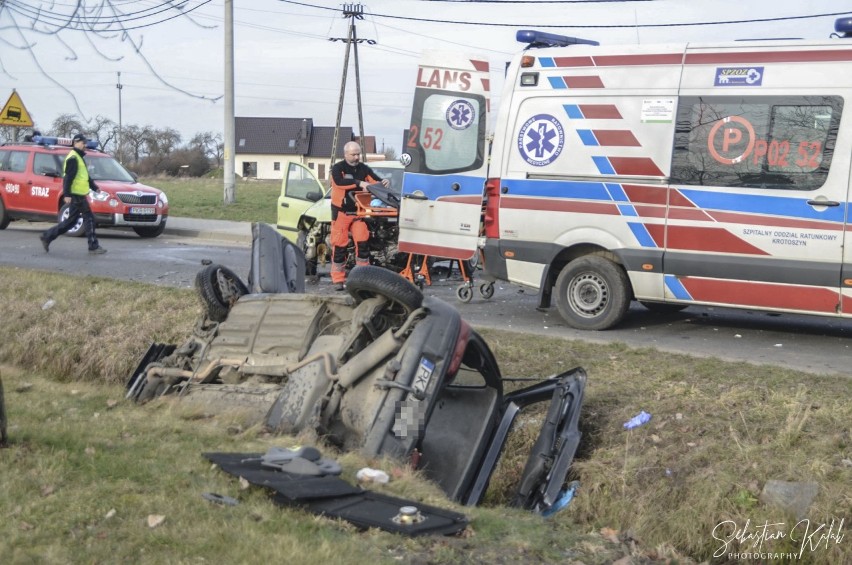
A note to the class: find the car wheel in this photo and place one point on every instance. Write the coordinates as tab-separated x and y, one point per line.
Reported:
662	307
368	282
592	293
310	264
219	288
150	231
77	230
4	217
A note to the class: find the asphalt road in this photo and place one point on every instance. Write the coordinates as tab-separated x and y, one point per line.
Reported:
810	344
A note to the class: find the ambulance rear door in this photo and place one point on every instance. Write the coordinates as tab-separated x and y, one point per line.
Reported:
446	145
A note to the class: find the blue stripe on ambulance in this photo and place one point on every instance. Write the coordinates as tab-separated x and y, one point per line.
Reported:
640	232
574	112
603	165
616	192
676	288
433	186
557	82
546	61
579	190
588	137
764	205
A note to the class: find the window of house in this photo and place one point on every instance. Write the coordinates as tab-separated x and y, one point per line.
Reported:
242	142
773	142
276	166
249	169
311	166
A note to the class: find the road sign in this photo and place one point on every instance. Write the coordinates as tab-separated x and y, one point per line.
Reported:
14	113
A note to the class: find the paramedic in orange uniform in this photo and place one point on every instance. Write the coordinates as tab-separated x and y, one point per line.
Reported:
346	176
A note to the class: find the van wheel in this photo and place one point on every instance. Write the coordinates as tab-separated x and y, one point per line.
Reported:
77	230
4	217
219	288
369	281
592	293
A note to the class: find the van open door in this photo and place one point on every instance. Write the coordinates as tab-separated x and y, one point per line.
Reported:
446	157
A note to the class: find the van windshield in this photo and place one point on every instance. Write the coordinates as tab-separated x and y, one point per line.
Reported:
106	168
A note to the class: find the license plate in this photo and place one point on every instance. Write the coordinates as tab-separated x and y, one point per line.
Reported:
143	211
424	373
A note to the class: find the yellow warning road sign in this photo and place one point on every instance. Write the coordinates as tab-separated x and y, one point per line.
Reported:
14	113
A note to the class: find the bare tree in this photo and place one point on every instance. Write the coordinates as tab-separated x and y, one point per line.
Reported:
210	144
104	23
66	125
102	129
133	139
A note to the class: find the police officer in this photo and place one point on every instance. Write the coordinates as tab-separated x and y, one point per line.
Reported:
349	175
75	189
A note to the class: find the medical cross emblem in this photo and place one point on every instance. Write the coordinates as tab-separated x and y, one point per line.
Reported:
541	139
460	114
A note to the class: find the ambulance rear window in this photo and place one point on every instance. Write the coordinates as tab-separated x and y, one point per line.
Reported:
447	132
773	142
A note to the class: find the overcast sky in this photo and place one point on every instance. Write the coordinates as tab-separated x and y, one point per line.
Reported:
287	67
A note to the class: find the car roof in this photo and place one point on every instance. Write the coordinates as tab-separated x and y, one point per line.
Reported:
385	164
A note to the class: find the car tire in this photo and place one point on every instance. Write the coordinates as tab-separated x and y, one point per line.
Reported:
219	288
368	282
592	293
150	231
76	231
4	217
310	264
663	307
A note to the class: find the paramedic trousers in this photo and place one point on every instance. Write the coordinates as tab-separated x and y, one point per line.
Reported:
79	207
341	225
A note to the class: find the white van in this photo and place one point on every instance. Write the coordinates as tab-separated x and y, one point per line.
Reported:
669	174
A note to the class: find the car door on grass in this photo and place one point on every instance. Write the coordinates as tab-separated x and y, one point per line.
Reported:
299	190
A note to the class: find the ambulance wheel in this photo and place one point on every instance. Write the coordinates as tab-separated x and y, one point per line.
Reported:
77	230
662	307
4	217
486	290
464	293
370	281
219	288
592	293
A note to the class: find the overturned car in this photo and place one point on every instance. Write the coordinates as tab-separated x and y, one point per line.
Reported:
382	370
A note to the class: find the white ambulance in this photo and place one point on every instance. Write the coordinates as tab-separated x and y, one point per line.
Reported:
714	174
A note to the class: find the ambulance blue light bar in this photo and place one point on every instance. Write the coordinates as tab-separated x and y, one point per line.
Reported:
542	39
843	26
45	140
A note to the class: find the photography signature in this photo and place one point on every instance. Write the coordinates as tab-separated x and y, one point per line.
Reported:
807	535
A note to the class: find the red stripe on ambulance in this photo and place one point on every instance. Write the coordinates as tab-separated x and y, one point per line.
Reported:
600	112
640	166
765	295
716	240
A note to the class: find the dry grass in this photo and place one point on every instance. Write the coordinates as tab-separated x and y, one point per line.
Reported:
719	432
256	201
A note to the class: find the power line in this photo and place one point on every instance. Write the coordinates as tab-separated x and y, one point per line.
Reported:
591	26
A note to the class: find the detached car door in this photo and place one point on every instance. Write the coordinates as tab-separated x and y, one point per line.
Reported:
299	191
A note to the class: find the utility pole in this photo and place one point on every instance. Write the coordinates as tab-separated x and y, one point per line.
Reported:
353	12
230	196
118	144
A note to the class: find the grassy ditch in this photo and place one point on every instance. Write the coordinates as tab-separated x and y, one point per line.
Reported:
85	470
256	200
